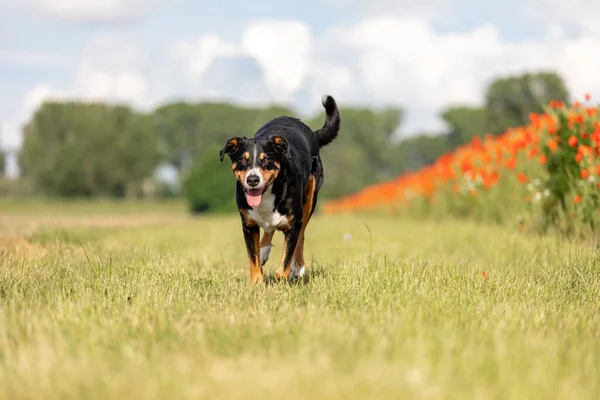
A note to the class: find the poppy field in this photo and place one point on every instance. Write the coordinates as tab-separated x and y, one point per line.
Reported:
539	177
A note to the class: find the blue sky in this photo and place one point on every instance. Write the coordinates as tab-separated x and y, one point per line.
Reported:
421	56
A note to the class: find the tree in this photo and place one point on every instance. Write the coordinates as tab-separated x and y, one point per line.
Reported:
464	123
88	149
177	128
510	100
421	150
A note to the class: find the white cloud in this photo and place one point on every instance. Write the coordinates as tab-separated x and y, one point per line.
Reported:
579	62
39	94
331	78
282	49
199	54
222	81
93	83
90	84
90	10
111	68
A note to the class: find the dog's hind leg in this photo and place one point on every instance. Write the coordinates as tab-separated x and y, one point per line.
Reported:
298	265
290	241
265	247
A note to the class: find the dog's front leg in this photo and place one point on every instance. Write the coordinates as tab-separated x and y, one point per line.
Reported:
290	240
252	239
265	247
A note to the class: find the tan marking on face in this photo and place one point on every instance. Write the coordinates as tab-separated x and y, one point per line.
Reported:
234	166
262	156
270	175
246	155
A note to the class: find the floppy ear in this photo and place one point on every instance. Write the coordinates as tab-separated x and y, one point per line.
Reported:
230	147
279	144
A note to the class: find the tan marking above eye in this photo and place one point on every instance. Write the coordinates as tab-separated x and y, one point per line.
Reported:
262	156
246	155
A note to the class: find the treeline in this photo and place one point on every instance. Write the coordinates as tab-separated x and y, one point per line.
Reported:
77	149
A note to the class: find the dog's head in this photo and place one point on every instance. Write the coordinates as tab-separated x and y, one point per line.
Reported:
256	163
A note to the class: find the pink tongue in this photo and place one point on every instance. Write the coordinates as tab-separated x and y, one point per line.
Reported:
253	199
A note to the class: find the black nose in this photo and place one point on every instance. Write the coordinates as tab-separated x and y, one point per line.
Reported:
253	180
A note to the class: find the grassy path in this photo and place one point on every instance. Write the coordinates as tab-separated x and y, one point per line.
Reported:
158	306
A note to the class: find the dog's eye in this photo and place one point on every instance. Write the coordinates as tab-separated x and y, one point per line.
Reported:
243	161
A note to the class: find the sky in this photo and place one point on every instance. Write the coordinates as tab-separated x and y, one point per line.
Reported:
421	56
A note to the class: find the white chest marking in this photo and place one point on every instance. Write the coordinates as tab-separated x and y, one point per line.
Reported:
265	216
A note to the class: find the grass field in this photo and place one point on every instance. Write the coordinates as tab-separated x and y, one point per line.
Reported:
114	302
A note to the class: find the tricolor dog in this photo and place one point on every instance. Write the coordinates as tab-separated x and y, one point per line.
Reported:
279	174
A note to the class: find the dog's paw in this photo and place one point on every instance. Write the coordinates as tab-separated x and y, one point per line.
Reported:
264	254
297	271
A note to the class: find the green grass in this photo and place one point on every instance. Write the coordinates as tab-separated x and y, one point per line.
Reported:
158	306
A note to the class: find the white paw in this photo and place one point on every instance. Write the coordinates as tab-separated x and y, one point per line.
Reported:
264	254
297	271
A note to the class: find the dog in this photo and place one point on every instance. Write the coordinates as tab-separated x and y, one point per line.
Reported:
278	177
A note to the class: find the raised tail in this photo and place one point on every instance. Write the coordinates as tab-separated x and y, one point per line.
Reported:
331	127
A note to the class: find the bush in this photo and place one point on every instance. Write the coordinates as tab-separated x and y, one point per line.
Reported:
209	185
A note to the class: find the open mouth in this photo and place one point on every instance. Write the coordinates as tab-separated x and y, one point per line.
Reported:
254	196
